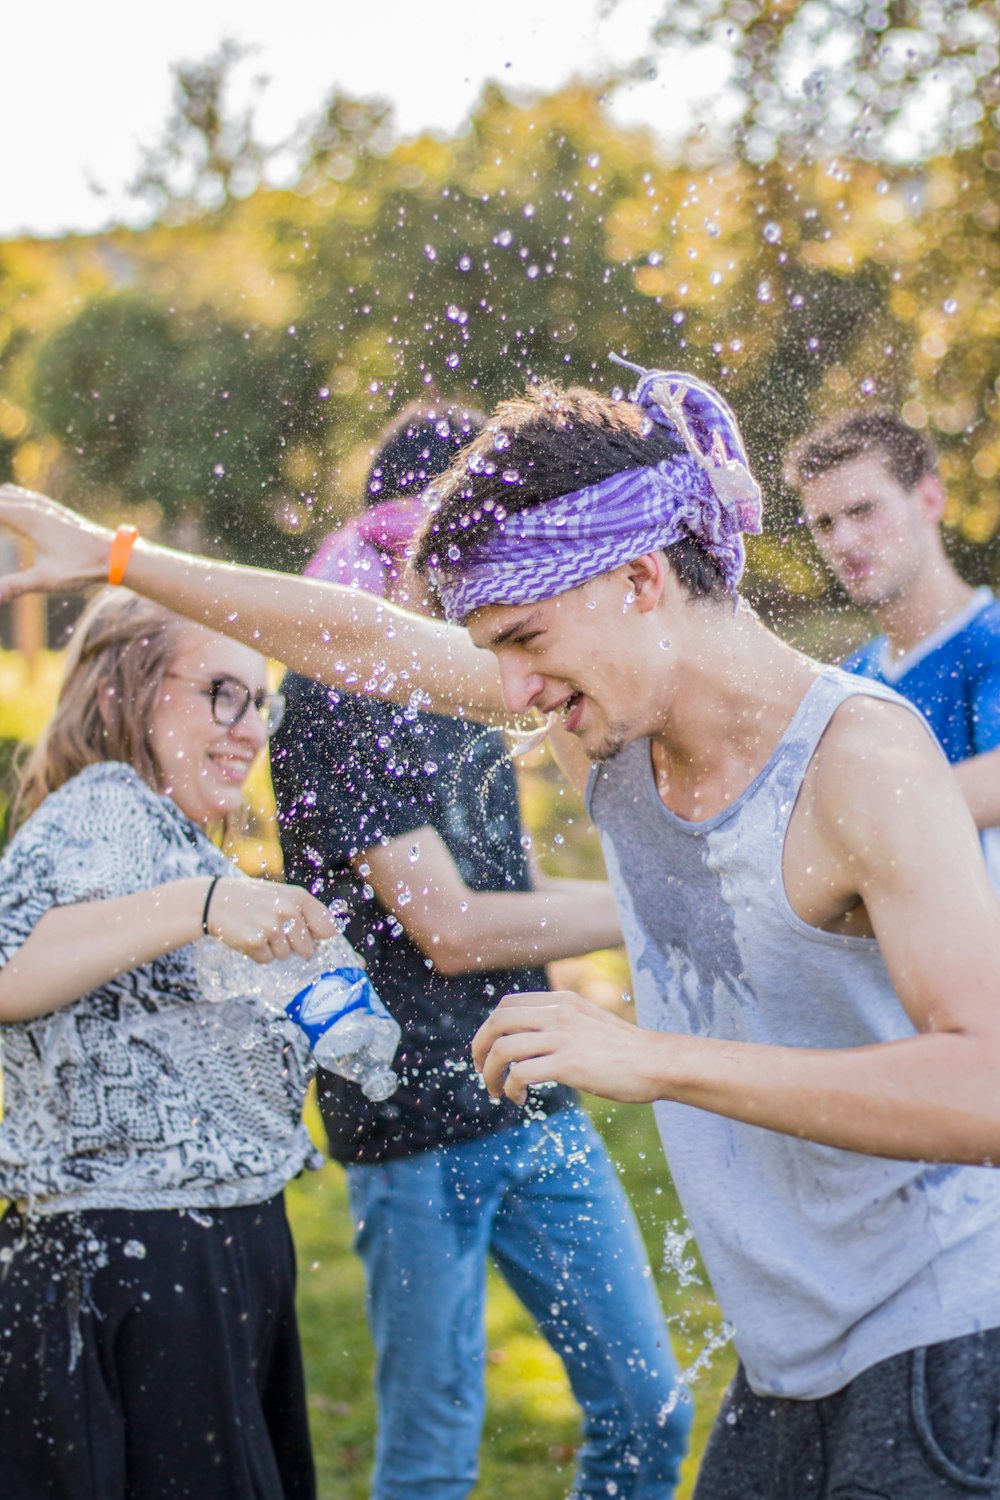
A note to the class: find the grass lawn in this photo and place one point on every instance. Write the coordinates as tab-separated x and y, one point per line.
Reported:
532	1426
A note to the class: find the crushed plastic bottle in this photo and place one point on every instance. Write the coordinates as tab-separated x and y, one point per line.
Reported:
329	996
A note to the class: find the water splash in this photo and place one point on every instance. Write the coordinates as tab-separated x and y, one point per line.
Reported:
523	741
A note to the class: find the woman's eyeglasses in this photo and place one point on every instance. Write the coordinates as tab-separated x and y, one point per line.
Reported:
230	698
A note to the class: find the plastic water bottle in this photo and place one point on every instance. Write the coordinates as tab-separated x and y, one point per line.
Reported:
328	996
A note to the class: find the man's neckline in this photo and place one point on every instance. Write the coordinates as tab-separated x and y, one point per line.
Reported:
893	668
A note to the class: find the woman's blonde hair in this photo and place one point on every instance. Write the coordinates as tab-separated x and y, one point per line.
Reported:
120	653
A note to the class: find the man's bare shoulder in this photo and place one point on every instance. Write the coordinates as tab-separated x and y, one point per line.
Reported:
876	760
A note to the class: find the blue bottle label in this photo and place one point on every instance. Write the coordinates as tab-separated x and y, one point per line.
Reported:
327	999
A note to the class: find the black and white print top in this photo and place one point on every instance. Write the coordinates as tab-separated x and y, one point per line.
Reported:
140	1094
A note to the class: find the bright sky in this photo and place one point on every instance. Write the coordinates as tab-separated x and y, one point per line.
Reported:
85	86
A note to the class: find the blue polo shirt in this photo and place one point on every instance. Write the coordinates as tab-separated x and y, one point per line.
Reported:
953	677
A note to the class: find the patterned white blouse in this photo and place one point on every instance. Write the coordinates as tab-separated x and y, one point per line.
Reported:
140	1094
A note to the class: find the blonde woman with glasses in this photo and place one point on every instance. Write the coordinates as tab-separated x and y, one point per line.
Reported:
148	1344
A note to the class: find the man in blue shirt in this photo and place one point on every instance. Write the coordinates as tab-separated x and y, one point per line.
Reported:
873	497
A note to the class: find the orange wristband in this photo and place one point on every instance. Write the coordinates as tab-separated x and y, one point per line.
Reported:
121	550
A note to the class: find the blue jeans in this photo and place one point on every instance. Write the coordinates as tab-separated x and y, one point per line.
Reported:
544	1200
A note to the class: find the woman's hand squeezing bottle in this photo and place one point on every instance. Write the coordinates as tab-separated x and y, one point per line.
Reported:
266	920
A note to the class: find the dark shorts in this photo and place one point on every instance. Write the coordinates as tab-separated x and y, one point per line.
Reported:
150	1356
924	1425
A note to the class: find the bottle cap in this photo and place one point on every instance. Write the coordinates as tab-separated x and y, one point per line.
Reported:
380	1085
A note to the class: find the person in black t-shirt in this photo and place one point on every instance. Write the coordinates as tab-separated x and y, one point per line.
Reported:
412	820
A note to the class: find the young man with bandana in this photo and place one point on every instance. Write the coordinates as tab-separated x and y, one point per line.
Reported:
873	497
814	941
411	820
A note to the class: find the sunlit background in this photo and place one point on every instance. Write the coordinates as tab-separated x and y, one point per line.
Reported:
236	238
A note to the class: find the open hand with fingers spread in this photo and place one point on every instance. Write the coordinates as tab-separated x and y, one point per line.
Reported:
564	1038
267	921
69	551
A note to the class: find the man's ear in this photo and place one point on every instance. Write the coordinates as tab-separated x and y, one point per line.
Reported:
930	496
647	576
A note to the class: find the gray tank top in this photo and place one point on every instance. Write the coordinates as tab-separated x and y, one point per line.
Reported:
824	1261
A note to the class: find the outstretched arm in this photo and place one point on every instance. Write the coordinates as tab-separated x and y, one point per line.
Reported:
339	635
890	813
76	948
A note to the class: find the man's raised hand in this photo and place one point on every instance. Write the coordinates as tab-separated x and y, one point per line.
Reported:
564	1038
69	551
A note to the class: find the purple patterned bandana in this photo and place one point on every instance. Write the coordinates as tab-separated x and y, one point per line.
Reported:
706	493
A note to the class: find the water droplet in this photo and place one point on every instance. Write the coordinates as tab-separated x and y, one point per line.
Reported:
950	306
664	645
414	854
465	263
323	392
134	1249
764	292
453	360
504	238
772	233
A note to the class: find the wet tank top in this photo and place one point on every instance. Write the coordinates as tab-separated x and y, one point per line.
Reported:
824	1261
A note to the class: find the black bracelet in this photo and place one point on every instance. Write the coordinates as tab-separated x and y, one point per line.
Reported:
208	901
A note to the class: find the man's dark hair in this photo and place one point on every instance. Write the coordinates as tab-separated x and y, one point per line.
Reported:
418	445
906	453
539	446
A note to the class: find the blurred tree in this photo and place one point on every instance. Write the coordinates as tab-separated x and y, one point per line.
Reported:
186	413
233	369
882	80
209	153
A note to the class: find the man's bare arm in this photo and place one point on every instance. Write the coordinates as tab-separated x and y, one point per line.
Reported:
889	810
339	635
463	931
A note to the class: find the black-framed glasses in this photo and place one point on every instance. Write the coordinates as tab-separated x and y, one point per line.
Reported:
230	698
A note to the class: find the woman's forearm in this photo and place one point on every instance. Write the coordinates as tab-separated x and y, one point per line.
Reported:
76	949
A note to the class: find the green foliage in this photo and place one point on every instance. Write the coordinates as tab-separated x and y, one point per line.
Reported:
191	412
230	375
